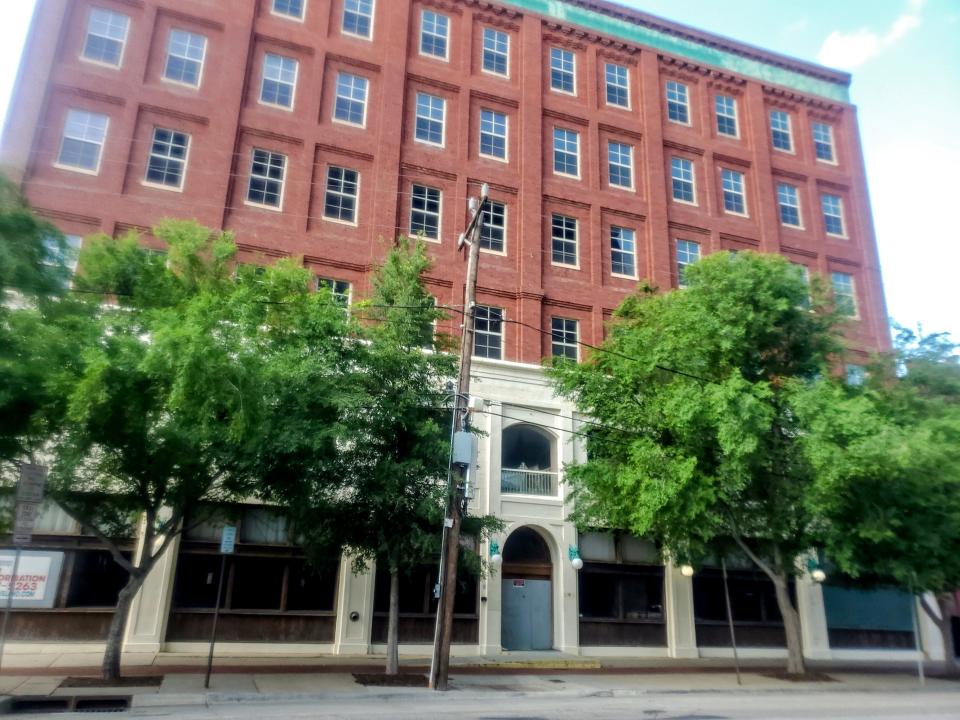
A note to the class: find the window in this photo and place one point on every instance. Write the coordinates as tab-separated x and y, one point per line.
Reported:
279	80
678	104
425	211
83	136
618	88
351	103
832	206
566	152
623	251
823	142
688	252
434	29
734	196
496	51
488	332
620	162
844	293
563	239
788	199
494	228
562	66
340	200
66	254
358	17
681	175
106	37
168	158
493	134
726	109
780	130
563	338
185	52
856	375
339	289
290	8
429	122
266	178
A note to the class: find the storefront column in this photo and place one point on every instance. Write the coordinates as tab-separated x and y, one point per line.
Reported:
678	605
931	641
147	622
813	618
354	609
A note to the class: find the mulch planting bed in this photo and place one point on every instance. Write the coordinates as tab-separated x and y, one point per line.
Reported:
806	677
402	680
126	681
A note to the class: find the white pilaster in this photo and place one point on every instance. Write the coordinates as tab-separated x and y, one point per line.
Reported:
150	610
354	595
813	619
678	605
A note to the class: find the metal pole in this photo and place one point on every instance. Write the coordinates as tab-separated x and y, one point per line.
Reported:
916	636
440	661
11	588
216	618
733	635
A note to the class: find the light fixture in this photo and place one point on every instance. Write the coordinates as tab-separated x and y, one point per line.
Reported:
496	559
575	560
813	567
818	575
686	570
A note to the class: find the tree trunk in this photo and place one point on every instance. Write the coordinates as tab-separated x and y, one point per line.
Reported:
393	622
791	626
111	655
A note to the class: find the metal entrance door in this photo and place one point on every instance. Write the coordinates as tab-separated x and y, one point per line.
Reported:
525	622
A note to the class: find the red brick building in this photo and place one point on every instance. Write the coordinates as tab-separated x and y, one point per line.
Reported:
618	145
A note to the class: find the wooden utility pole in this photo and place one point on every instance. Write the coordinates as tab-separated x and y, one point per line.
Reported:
456	501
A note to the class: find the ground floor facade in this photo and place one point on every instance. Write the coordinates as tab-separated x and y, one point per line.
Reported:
623	601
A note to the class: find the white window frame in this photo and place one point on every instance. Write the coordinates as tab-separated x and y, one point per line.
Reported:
789	131
564	342
438	213
483	51
797	206
629	166
333	284
625	87
101	144
341	194
487	217
183	162
831	141
89	32
834	276
283	180
572	71
682	264
734	116
842	216
370	18
430	119
736	178
487	333
351	99
676	101
292	84
505	137
169	54
693	180
575	265
632	253
432	33
288	16
566	141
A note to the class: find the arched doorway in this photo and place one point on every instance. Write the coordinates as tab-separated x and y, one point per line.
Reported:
527	618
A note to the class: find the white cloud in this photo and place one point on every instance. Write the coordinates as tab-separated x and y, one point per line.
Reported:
850	50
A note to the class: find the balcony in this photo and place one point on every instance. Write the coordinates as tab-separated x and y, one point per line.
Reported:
520	481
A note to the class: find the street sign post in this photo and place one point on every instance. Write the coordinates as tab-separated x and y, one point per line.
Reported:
228	541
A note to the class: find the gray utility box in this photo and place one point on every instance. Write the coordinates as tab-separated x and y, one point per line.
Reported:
464	449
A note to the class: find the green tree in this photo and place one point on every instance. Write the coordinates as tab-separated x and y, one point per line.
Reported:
696	442
887	457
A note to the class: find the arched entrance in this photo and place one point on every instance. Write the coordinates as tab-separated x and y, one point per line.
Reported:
527	618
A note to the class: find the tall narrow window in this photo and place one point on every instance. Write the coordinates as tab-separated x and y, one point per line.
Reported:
494	230
106	36
185	53
564	338
84	134
496	51
788	200
734	195
168	158
688	252
434	30
726	110
289	8
678	103
493	134
563	239
780	133
340	290
267	171
350	105
844	293
279	80
488	332
682	181
832	206
358	17
623	251
562	71
823	142
430	117
340	200
620	164
618	85
566	152
425	211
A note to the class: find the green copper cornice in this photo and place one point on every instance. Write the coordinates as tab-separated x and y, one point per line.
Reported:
697	52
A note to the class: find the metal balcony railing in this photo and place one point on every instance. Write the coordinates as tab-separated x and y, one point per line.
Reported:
514	481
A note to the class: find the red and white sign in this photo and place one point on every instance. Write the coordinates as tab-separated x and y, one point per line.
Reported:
36	581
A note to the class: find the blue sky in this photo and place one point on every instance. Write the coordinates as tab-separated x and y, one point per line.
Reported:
905	60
